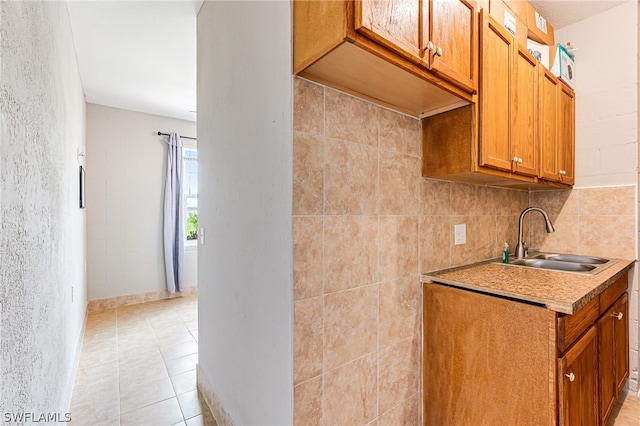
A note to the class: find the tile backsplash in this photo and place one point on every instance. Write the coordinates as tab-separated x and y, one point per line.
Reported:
366	224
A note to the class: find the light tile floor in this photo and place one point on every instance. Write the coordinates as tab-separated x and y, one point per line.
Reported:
627	411
138	367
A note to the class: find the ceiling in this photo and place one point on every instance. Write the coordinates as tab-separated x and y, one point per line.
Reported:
561	13
141	55
138	55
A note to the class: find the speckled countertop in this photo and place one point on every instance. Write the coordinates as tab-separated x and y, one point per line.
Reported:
564	292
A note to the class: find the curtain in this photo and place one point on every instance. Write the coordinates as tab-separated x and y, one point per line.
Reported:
174	225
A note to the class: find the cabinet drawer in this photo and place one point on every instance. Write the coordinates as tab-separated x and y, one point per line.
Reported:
570	327
613	292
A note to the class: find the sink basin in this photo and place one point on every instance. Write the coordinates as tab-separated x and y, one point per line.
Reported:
554	264
572	258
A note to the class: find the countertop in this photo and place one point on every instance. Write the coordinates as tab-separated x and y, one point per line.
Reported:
558	291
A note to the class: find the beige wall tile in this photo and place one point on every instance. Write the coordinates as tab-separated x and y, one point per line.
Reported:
435	197
350	325
434	243
405	413
350	394
307	339
555	203
307	403
563	240
350	178
399	133
350	252
399	373
308	182
510	202
400	310
488	201
351	119
398	250
619	201
507	231
308	107
399	184
307	256
481	239
608	236
464	199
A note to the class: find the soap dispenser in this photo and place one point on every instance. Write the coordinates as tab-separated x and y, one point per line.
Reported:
505	253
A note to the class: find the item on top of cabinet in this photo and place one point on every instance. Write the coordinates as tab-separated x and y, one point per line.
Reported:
564	66
538	27
502	12
539	51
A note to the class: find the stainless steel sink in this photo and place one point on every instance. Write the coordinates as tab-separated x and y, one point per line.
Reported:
571	258
554	264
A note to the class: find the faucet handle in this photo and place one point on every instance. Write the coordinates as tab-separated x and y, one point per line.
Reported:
526	249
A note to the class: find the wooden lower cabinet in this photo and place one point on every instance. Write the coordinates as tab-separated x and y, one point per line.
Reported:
613	331
489	360
578	382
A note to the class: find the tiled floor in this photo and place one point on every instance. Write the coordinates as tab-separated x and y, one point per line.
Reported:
626	412
138	367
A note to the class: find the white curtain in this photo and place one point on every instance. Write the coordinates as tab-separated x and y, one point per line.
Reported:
174	224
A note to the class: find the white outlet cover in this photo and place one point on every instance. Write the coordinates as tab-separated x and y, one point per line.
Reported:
460	234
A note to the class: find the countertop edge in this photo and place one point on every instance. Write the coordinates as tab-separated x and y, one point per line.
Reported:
621	267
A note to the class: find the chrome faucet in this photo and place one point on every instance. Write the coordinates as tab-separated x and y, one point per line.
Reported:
521	251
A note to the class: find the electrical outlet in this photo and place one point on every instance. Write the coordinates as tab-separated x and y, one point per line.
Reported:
460	234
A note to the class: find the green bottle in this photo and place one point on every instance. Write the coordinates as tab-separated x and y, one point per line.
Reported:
505	253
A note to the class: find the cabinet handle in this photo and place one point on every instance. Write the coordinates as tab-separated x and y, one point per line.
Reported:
562	172
520	160
430	45
515	160
618	315
439	51
571	377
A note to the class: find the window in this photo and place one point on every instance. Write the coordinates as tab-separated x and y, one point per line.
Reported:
190	189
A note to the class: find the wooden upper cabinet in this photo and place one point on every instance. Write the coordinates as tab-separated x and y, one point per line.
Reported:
578	382
566	134
524	113
451	44
439	35
394	24
548	125
496	59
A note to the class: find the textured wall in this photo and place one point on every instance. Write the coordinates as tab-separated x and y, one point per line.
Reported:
126	168
245	151
42	115
365	226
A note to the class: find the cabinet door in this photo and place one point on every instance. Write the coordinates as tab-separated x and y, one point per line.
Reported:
394	24
613	344
548	113
578	382
452	29
524	113
566	134
496	56
621	341
606	365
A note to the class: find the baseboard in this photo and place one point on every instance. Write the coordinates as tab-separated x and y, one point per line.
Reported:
132	299
212	400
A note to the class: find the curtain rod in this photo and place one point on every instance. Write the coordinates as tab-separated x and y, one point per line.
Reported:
184	137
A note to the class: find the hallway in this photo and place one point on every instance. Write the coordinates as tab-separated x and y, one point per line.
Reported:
138	366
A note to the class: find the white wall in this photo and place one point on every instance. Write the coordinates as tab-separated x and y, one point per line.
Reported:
126	169
607	75
246	159
606	96
42	237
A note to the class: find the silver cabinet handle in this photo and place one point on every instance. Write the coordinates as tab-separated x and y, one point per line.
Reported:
571	377
618	315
